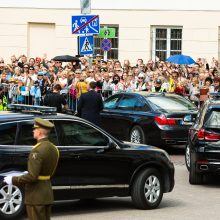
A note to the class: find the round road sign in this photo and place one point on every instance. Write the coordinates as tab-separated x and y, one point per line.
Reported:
106	45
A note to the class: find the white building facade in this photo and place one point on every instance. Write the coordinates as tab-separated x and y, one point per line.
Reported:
143	30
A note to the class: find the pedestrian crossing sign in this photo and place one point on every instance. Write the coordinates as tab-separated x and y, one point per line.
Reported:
86	45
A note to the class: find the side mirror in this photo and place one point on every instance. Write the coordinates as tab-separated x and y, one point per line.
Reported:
111	145
188	120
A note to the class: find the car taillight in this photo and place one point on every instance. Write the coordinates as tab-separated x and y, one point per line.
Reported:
207	136
162	120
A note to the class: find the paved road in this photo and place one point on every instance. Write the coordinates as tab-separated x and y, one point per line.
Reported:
186	202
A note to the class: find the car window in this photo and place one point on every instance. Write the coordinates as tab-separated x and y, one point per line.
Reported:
111	102
8	133
213	121
25	136
74	133
141	106
176	103
127	103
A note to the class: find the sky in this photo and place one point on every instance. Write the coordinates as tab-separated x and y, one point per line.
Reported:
118	4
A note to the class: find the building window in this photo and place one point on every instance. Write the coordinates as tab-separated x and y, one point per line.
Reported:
166	41
113	53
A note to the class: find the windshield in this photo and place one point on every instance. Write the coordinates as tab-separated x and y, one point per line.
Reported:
171	103
213	120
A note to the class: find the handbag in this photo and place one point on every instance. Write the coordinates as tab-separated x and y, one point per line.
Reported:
73	93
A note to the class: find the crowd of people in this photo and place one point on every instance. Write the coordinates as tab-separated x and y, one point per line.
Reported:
31	81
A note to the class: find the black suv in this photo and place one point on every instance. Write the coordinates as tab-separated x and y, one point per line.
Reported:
203	149
92	163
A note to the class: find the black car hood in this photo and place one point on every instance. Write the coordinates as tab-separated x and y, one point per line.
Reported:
147	148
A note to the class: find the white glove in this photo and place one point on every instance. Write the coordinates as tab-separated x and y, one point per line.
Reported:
8	180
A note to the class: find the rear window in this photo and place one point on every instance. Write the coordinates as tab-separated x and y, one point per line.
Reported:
171	103
213	121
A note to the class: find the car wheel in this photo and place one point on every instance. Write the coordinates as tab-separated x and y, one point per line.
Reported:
147	190
187	157
137	135
11	201
195	178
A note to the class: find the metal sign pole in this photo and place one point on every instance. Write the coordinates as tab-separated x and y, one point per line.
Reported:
78	49
86	9
85	6
105	55
105	52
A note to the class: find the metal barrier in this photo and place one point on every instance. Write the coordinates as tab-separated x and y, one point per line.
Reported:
16	95
24	95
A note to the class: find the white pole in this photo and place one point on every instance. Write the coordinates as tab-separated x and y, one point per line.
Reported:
105	55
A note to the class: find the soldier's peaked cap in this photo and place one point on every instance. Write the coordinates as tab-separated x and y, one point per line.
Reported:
42	123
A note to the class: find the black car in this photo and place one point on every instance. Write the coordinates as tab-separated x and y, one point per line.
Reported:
158	119
203	148
92	163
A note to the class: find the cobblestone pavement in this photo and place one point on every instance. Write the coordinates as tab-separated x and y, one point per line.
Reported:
178	160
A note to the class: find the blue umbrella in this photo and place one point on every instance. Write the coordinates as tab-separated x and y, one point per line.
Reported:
181	59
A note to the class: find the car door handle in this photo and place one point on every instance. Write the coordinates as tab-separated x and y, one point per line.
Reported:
75	155
22	155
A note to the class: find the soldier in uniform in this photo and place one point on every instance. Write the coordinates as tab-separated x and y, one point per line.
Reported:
42	163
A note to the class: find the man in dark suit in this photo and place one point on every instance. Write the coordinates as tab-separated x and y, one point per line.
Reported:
55	99
90	105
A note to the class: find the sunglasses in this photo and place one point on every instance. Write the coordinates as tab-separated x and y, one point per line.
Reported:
140	77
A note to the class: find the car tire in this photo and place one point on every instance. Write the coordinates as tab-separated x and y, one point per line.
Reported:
147	189
187	157
137	135
11	202
195	178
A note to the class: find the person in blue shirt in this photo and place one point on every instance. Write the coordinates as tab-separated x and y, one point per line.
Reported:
36	93
20	92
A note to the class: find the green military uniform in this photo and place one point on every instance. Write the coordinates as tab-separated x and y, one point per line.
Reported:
42	163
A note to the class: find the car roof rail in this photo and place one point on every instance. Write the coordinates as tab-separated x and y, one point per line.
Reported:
156	94
32	109
214	95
